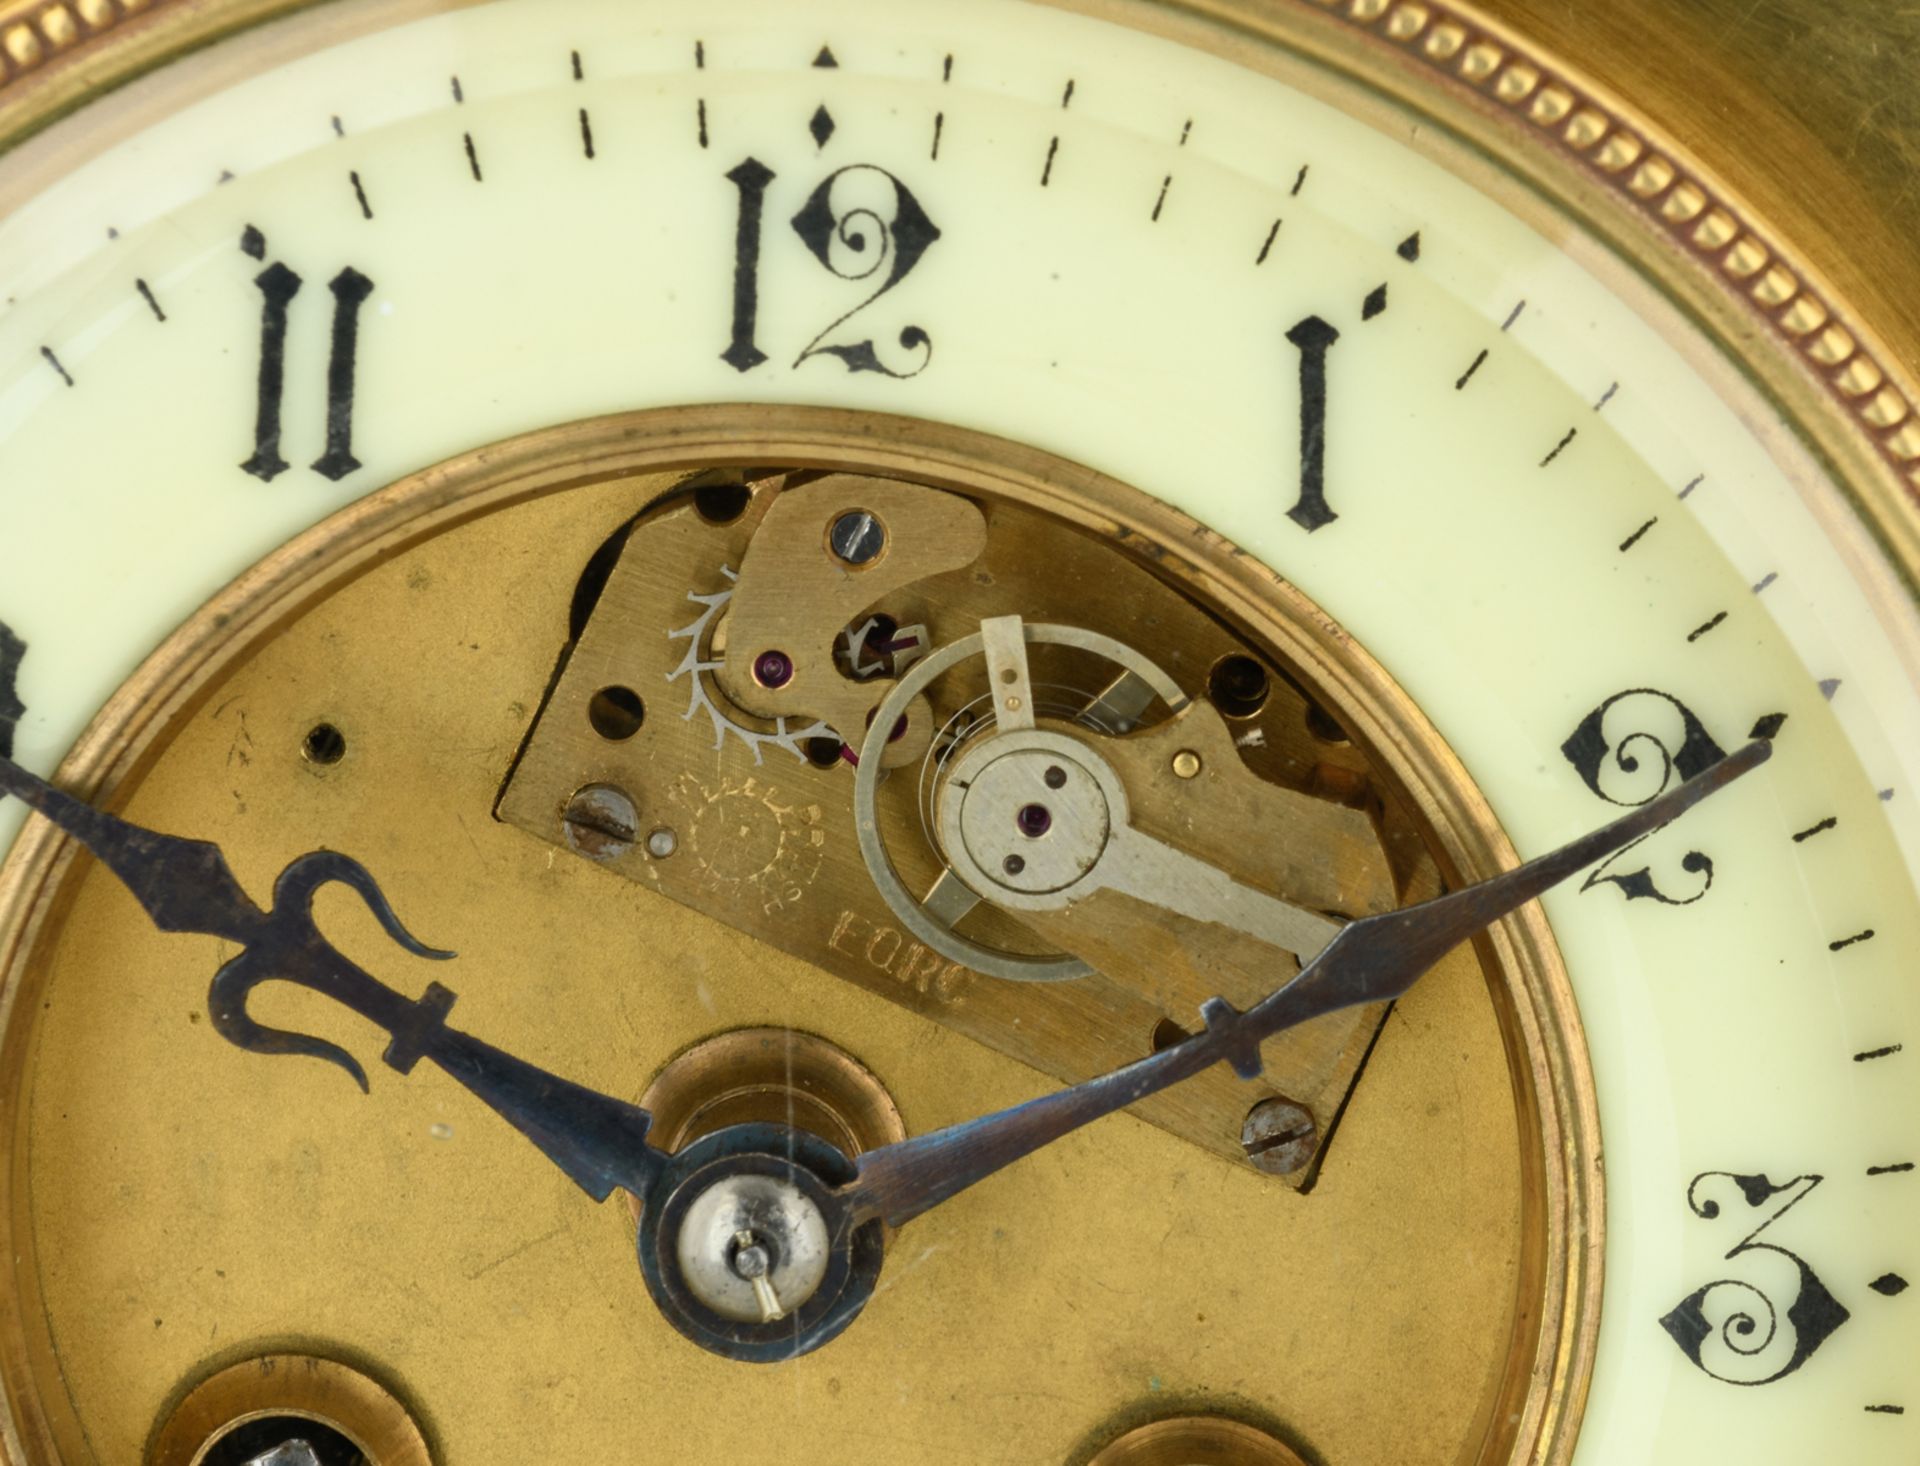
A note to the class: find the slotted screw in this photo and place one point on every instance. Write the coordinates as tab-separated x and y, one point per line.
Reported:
1279	1136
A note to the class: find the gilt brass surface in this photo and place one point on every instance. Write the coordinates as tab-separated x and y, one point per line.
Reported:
418	627
763	834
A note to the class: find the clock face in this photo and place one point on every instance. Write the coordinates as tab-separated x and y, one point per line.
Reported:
558	455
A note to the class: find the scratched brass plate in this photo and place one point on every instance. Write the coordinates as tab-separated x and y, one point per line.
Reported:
760	835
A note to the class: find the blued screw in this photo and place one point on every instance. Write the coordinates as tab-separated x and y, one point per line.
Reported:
857	537
1279	1136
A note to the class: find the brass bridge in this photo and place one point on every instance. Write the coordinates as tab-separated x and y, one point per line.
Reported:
754	654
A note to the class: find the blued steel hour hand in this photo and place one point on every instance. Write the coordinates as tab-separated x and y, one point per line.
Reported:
187	886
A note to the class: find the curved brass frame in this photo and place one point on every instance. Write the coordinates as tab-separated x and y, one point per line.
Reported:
1533	1414
1506	108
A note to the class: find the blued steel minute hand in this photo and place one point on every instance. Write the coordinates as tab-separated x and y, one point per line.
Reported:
187	886
1373	959
600	1142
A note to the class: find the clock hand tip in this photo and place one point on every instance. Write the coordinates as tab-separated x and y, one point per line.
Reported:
1738	764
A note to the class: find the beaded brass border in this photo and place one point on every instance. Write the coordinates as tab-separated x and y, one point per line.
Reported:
1658	180
34	32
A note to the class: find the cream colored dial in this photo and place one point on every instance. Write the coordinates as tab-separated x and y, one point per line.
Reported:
1559	520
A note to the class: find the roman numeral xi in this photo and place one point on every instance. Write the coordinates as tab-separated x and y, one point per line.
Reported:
278	285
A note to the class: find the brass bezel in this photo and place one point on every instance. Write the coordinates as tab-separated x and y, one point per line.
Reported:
1706	239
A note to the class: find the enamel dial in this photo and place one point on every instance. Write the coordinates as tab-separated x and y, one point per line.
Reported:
455	383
